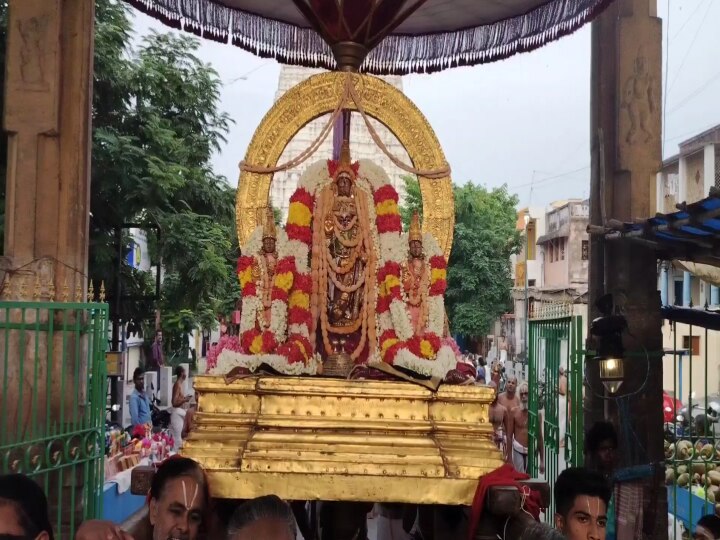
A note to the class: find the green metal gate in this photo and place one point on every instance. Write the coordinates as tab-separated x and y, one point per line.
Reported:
52	426
555	340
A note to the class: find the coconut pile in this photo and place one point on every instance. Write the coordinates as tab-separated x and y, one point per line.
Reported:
694	467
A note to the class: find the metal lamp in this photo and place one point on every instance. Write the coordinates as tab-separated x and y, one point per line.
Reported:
608	330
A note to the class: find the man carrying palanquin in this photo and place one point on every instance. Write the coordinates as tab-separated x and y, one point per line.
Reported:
263	269
343	263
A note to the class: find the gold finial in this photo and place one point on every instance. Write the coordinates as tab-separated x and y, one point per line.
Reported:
269	224
345	153
23	287
79	289
65	291
91	292
36	288
102	291
51	290
415	232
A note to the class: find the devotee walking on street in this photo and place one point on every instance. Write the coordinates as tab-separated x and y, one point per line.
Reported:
509	398
140	409
581	501
502	425
158	354
179	410
520	422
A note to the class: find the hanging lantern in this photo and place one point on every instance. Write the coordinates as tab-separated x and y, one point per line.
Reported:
608	330
612	373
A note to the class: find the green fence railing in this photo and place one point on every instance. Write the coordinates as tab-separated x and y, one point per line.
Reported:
555	341
691	409
52	425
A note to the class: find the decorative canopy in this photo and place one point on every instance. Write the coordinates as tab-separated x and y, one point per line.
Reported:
385	36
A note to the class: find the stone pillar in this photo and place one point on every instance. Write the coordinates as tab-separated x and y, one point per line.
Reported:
664	284
687	289
708	168
625	136
48	97
714	296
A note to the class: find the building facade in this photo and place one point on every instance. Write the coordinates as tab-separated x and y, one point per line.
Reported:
551	268
362	145
687	177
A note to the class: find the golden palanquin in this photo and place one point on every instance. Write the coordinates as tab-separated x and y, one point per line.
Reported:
330	439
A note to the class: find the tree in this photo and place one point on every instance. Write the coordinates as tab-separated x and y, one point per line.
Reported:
413	199
156	125
485	237
479	273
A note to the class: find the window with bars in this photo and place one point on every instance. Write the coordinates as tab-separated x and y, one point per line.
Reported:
717	168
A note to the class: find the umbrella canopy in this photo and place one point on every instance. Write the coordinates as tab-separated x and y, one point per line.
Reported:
385	36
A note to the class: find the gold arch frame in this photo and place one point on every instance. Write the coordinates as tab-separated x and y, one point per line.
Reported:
320	94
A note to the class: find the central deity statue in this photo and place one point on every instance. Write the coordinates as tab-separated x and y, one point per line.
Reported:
343	260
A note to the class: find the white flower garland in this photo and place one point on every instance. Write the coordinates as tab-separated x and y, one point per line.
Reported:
278	320
401	320
436	315
439	367
315	177
251	307
301	329
228	360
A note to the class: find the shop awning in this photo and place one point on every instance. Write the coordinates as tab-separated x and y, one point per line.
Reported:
403	36
691	234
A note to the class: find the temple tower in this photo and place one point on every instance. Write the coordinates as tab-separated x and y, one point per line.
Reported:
361	144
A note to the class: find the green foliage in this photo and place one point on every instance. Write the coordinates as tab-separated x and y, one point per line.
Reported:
479	273
479	281
156	126
413	200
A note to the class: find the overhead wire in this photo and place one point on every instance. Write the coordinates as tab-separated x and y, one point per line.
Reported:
690	47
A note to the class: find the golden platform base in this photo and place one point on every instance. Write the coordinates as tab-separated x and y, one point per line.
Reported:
329	439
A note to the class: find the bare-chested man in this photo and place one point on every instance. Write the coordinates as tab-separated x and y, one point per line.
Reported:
509	398
520	421
501	422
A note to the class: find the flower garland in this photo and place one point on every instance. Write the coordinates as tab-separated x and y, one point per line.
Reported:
423	352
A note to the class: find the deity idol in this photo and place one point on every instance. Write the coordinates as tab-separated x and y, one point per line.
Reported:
263	269
415	278
343	261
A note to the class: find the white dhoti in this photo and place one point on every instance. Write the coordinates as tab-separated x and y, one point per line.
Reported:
562	417
177	422
519	457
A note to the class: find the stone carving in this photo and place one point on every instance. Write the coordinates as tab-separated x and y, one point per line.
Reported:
639	102
33	33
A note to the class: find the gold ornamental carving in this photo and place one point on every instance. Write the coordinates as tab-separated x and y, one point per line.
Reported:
319	95
339	440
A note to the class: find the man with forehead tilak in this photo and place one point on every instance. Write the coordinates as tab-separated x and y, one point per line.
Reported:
581	500
177	507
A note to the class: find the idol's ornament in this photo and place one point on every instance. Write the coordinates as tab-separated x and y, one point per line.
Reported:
341	287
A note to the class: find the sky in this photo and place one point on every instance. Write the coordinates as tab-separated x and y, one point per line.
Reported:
523	121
